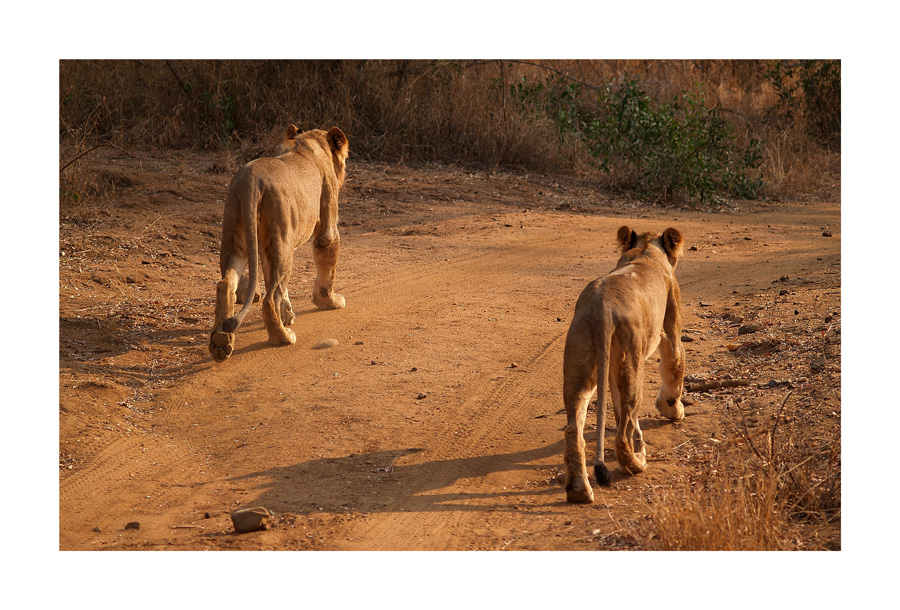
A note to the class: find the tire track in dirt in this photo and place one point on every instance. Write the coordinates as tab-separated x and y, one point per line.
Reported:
487	415
94	498
457	460
453	473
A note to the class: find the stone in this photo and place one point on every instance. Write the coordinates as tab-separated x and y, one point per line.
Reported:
747	329
250	519
818	365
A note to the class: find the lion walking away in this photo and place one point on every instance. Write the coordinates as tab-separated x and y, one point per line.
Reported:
619	320
274	205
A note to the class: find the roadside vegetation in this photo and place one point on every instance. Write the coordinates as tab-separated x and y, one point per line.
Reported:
759	490
672	132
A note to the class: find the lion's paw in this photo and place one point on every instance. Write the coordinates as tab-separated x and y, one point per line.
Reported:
335	301
630	461
221	344
633	467
289	338
579	495
671	408
287	317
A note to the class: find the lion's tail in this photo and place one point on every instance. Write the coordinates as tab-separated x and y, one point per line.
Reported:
602	342
249	200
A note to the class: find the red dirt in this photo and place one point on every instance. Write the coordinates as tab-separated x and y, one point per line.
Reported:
436	421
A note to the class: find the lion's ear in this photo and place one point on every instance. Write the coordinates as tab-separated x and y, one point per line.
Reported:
292	130
672	243
627	237
337	140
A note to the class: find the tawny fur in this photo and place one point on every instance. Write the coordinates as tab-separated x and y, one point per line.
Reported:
619	320
274	205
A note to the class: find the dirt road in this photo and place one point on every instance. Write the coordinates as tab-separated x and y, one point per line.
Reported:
435	423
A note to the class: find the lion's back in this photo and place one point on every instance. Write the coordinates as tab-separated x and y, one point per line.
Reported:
278	183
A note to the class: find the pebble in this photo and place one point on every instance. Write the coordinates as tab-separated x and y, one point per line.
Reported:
133	525
250	519
746	329
325	344
818	364
421	396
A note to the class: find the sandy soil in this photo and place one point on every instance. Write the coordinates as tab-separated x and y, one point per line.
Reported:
435	423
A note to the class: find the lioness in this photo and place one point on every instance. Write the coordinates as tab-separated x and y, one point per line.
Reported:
619	320
273	206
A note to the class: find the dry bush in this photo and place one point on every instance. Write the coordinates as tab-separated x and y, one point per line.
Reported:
735	513
79	186
793	164
761	491
391	110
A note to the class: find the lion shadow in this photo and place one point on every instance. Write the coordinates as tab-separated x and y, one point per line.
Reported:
385	481
380	481
94	342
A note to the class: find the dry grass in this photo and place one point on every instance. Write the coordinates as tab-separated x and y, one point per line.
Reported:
794	165
78	185
758	491
398	111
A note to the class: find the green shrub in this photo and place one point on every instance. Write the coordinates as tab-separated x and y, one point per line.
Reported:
556	97
665	151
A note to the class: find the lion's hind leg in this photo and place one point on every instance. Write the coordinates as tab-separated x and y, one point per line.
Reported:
277	271
626	391
243	291
287	312
579	382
